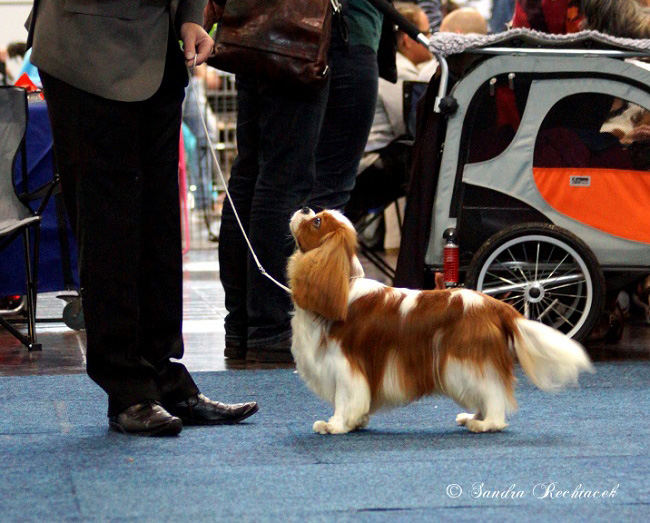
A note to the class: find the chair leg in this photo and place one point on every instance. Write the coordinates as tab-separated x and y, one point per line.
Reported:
399	215
374	258
37	243
377	261
30	270
19	335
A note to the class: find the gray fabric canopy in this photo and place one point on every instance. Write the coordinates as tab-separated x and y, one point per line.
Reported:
447	44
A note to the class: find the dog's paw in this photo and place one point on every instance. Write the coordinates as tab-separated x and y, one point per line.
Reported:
330	428
363	422
321	427
478	426
463	418
336	428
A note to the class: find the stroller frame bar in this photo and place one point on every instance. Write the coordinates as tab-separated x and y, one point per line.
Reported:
444	80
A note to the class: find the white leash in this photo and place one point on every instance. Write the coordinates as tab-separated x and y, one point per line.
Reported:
223	181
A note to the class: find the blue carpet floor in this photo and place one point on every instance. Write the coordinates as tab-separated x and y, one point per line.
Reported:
58	461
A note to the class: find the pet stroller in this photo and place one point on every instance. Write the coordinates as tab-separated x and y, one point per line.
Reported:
528	180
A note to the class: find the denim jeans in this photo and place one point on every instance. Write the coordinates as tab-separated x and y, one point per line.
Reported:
295	147
277	132
348	118
502	11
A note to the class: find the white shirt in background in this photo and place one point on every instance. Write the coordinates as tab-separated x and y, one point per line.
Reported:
388	122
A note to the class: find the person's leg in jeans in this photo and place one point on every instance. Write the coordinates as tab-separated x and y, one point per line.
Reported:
348	118
290	123
233	251
277	132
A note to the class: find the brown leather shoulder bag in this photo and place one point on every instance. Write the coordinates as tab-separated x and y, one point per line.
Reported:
281	41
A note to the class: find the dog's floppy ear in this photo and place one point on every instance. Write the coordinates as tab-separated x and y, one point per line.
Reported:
320	278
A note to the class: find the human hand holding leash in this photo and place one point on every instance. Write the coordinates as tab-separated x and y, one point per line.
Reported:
197	44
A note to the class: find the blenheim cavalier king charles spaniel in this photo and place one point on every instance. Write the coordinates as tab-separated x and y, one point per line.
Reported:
362	346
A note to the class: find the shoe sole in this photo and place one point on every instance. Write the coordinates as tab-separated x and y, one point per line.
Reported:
269	357
234	353
173	428
194	423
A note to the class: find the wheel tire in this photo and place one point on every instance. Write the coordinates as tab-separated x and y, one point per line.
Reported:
73	315
566	291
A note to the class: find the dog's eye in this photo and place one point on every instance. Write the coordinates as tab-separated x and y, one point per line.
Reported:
316	222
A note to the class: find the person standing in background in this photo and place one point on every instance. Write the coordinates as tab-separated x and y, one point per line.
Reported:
15	54
388	122
464	20
350	107
114	77
385	164
4	75
482	6
195	109
502	12
433	10
296	147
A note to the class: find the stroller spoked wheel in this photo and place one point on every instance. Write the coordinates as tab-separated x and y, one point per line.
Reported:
545	272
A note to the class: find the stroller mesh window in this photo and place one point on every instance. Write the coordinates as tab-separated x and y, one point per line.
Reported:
591	162
493	119
495	115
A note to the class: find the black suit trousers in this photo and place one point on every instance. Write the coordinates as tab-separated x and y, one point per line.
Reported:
118	163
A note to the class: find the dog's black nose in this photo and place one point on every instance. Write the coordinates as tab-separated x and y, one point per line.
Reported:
306	210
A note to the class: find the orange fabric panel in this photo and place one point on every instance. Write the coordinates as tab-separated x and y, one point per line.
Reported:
614	201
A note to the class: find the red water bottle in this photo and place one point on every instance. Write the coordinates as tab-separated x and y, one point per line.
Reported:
450	258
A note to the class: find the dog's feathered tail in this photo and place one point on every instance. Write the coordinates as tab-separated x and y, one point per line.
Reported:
550	359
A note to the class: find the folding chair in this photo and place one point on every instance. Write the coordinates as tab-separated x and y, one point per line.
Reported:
16	217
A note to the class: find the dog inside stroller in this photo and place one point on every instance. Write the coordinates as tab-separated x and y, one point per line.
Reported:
530	179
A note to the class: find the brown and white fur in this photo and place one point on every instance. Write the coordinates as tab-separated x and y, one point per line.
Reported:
362	346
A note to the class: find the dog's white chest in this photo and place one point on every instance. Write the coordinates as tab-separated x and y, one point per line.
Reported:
318	359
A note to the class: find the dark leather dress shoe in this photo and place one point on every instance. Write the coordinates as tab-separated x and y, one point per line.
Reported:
146	419
199	410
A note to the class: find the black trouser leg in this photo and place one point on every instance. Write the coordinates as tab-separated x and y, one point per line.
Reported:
118	163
